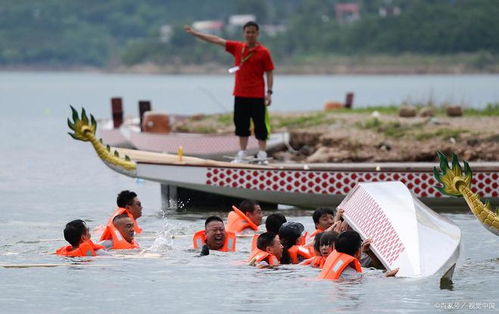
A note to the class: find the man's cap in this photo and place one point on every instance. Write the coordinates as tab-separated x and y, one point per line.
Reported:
291	229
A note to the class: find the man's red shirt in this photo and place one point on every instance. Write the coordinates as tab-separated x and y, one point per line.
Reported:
249	77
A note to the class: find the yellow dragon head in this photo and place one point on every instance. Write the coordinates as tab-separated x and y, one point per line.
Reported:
81	127
452	177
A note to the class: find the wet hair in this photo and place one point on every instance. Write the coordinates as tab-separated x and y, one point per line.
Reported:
115	219
319	212
247	206
289	234
317	241
251	23
212	218
274	222
348	242
125	198
74	230
329	238
265	240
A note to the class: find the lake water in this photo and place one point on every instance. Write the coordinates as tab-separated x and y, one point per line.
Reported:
48	179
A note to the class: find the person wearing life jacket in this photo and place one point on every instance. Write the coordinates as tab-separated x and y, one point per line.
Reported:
272	223
343	262
323	219
214	236
245	218
128	203
77	234
268	251
317	260
326	245
122	234
291	234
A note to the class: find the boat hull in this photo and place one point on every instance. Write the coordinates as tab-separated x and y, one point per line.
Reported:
214	146
405	233
304	185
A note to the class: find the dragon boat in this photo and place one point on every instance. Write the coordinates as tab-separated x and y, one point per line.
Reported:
382	203
306	185
215	146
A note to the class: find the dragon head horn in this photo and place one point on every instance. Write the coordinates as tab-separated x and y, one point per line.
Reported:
452	177
81	126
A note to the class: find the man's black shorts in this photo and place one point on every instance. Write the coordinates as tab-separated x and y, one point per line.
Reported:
254	109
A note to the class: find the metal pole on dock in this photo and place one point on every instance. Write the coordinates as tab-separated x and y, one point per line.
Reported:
349	100
117	111
144	105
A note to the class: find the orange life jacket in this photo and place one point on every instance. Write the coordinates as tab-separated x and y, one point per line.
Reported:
106	235
299	250
307	240
258	256
316	261
336	263
86	248
119	243
302	240
237	221
311	237
199	239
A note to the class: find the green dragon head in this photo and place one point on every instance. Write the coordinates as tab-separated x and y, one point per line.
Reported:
81	126
452	177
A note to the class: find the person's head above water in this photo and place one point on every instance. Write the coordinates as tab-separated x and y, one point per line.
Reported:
323	218
252	210
75	232
124	225
129	200
349	242
270	243
327	242
215	232
290	232
274	222
317	243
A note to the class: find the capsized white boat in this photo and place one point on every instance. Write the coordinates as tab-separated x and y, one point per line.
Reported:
405	233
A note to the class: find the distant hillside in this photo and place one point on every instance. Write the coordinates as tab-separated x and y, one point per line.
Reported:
124	32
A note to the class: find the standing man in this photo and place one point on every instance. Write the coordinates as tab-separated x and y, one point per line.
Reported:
251	61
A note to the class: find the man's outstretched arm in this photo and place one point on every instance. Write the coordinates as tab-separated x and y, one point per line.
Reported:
206	37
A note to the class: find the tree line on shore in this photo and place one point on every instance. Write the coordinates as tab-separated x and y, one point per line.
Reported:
125	32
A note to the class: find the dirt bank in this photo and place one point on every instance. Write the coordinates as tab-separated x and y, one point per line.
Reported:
365	137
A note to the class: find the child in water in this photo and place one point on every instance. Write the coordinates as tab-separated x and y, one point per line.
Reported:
78	236
323	246
327	243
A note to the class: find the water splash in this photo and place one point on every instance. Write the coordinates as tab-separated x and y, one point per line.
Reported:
164	239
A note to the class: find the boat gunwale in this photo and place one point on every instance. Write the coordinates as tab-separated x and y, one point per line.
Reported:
360	167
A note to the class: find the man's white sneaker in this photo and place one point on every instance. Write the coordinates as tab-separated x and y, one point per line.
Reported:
261	157
239	157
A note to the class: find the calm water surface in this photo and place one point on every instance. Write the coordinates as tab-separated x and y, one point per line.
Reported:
48	179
